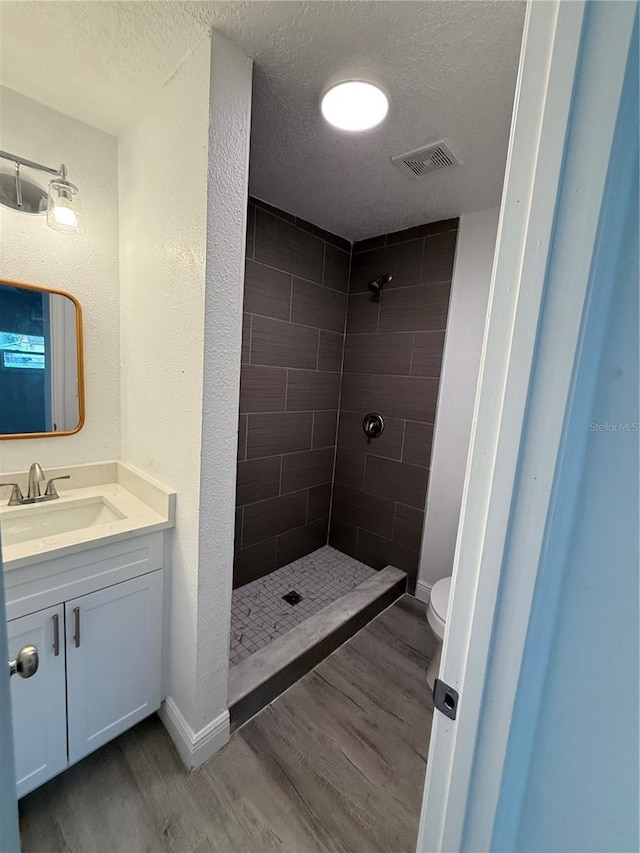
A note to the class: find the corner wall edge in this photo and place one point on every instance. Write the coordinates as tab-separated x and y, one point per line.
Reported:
194	748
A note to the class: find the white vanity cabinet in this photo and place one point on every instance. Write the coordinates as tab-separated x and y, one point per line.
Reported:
97	625
113	644
39	703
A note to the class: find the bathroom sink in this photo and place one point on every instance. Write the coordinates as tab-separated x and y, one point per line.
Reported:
27	523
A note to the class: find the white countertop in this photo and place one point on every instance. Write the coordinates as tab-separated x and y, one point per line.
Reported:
138	518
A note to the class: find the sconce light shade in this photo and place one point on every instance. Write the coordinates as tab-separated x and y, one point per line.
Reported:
64	211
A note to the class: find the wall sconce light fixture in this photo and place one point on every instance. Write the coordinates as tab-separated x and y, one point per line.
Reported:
61	204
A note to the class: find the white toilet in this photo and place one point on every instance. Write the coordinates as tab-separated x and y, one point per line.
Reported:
437	619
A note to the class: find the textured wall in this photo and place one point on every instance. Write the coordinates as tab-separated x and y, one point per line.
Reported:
295	299
229	126
162	274
87	266
392	361
460	365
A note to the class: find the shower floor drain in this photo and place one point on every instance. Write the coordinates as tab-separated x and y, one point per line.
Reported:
292	597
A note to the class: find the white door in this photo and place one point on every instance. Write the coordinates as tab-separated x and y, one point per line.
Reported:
9	840
38	703
565	185
113	661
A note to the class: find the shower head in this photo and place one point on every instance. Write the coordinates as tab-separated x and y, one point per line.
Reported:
377	284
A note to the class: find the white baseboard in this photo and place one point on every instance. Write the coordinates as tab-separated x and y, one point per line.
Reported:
194	748
423	591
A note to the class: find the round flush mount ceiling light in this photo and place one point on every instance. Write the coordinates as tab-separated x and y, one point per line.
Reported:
354	105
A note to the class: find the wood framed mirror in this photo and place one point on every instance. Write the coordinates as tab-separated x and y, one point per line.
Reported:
41	361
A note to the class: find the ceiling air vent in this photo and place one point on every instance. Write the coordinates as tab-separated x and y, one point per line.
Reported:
422	161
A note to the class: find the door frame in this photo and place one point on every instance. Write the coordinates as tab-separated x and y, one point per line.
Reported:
9	837
569	86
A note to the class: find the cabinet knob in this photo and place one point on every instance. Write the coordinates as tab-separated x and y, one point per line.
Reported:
26	662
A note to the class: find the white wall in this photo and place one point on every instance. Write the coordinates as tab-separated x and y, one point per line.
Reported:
461	361
87	266
183	170
229	130
163	210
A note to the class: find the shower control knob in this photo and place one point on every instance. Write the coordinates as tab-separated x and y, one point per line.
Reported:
373	425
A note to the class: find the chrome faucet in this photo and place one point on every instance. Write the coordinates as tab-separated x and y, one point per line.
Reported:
36	476
34	494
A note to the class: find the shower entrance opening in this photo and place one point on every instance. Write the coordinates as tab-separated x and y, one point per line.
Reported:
342	347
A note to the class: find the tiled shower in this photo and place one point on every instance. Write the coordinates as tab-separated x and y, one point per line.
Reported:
319	352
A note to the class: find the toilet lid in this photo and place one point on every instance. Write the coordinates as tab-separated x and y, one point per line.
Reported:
440	598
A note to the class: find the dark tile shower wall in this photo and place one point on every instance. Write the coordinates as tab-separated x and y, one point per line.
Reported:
392	359
296	283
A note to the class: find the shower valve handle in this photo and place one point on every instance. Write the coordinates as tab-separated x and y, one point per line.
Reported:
373	425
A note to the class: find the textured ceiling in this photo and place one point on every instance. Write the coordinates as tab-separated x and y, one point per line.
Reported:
450	68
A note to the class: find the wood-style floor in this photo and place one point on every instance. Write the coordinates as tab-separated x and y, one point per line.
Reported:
337	763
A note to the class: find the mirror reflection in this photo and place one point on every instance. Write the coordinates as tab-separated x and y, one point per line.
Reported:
40	362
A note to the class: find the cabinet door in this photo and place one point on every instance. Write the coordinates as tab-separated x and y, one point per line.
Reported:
38	704
113	661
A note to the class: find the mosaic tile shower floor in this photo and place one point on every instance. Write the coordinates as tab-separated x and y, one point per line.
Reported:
258	613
